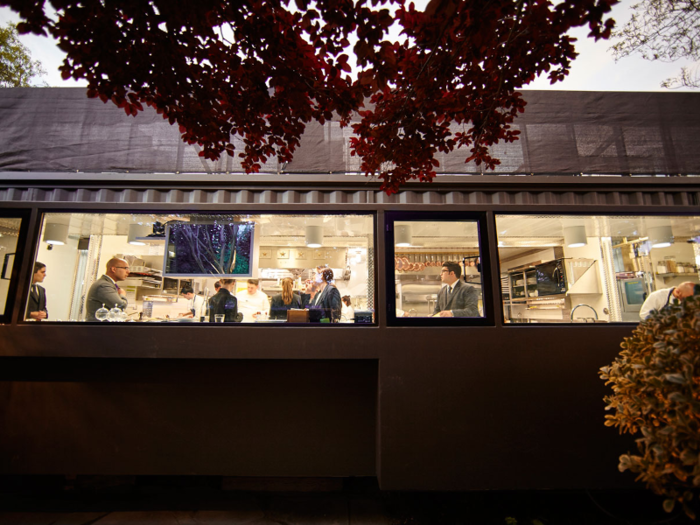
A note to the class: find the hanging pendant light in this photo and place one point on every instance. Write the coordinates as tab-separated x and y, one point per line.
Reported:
56	234
314	236
661	236
404	235
137	231
575	236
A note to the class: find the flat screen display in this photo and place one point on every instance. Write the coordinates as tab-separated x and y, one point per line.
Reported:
221	248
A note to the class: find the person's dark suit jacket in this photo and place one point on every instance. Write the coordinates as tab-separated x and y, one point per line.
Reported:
37	300
463	301
223	303
278	310
328	301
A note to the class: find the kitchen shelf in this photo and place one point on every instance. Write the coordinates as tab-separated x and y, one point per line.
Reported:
669	275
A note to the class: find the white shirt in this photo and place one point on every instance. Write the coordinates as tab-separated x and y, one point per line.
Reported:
249	304
197	304
656	301
347	314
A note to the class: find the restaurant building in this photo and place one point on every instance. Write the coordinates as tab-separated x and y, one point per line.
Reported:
596	206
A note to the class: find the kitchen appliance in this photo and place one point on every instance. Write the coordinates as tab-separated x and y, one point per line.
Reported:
551	278
632	293
363	317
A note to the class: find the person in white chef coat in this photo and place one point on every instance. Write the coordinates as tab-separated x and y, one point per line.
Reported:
253	304
196	305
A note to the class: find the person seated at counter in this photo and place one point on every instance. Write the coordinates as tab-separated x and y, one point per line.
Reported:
253	303
285	301
661	298
105	291
327	299
36	306
196	305
223	303
457	299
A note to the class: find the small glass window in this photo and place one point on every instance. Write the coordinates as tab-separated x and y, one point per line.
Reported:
195	267
586	269
9	235
437	270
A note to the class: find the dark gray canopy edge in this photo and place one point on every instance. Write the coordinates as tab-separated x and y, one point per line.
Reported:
60	130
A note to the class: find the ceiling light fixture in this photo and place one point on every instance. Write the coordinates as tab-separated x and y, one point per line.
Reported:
404	236
575	236
137	231
661	236
56	234
314	236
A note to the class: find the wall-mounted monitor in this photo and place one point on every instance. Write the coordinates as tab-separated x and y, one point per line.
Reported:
221	248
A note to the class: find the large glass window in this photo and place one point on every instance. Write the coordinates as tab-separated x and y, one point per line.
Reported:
230	268
573	269
9	234
437	270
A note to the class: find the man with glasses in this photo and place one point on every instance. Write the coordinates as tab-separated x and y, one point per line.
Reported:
105	291
457	299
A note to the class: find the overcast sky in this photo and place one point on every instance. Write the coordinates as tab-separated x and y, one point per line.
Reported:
593	70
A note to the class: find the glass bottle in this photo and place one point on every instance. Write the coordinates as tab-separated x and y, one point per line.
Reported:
115	314
102	313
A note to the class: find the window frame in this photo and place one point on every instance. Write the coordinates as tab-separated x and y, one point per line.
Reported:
487	298
13	296
41	217
543	323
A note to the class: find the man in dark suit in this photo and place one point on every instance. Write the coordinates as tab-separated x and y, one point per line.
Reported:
457	299
105	290
36	306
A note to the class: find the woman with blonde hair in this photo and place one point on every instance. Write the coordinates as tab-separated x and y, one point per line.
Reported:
285	301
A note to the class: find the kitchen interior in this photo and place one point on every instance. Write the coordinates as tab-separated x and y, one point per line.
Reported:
420	248
76	246
564	269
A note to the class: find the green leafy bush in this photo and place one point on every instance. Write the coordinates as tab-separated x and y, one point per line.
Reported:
656	385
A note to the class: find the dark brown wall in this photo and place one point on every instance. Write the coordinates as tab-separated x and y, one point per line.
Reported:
510	407
244	418
498	408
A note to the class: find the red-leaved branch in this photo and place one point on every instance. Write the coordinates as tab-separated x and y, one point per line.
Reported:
261	70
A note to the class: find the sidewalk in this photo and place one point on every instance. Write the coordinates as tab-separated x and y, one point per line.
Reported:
358	502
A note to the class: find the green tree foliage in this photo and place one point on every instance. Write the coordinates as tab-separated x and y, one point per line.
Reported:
665	30
656	396
16	64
